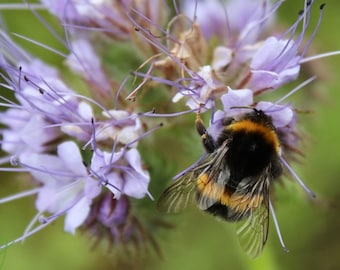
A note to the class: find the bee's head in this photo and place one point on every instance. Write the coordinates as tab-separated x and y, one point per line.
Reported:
255	115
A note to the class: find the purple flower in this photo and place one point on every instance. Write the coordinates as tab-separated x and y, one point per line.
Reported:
65	10
66	187
232	101
282	115
238	22
210	16
202	93
120	126
25	133
111	219
121	172
109	17
275	63
80	147
84	61
48	123
240	101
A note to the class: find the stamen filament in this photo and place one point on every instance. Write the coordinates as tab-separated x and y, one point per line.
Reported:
300	86
297	178
20	195
276	224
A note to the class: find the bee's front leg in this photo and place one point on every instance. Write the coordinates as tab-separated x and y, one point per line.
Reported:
208	141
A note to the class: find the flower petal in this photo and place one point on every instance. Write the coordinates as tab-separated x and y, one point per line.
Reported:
77	215
70	154
280	114
236	98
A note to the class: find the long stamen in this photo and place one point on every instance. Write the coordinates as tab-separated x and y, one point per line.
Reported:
144	135
315	30
297	178
46	24
300	86
319	56
23	237
276	224
166	115
42	45
19	6
33	222
265	17
20	195
190	167
3	169
28	167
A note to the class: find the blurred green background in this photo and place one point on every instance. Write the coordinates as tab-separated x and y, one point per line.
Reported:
311	229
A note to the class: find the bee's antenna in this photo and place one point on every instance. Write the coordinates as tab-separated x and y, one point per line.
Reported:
297	178
277	227
242	107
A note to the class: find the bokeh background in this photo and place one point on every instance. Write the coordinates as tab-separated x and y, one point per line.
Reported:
311	229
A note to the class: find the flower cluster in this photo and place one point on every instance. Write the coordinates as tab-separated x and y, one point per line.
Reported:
231	58
79	153
81	150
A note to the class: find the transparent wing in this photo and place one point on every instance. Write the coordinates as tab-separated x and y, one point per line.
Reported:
213	179
253	230
178	195
182	193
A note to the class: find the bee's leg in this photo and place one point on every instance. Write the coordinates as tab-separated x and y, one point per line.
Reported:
208	141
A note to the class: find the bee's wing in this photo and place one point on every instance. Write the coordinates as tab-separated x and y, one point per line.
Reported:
216	176
179	194
253	231
182	192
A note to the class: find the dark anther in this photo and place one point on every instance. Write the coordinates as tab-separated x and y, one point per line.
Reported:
322	6
85	163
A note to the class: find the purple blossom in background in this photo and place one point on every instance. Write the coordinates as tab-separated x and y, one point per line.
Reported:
236	22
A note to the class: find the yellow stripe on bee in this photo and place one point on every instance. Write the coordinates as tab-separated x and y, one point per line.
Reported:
241	202
209	188
214	191
252	127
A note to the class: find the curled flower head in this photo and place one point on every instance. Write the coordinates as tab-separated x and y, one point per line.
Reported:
111	220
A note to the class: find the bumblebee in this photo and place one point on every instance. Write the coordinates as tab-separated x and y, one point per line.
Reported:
232	181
